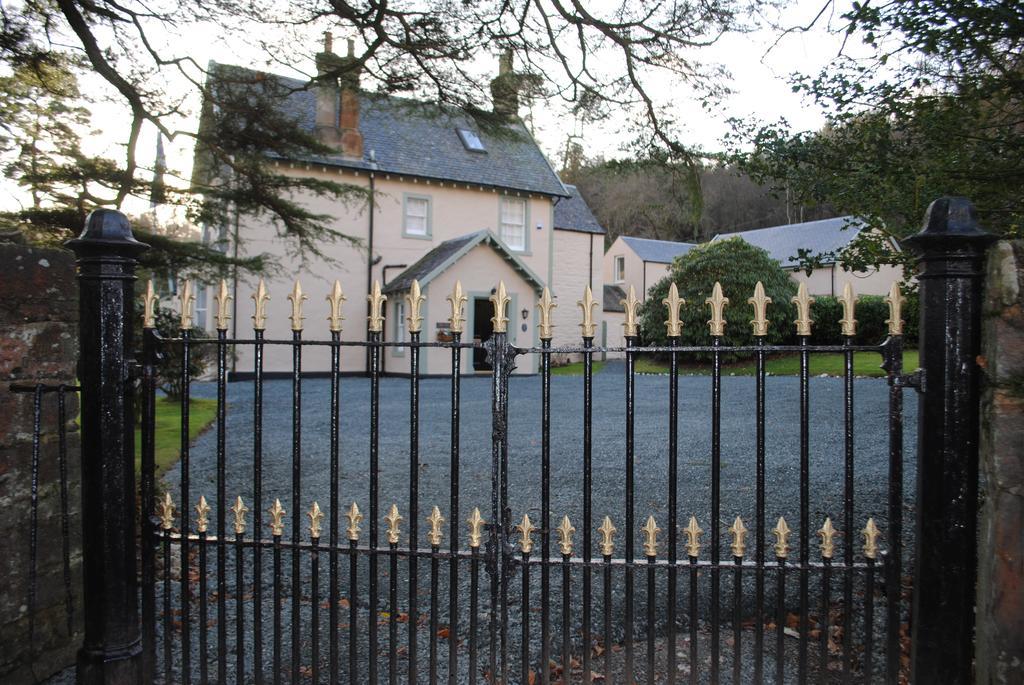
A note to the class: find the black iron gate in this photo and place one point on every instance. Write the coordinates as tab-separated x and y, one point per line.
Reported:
244	597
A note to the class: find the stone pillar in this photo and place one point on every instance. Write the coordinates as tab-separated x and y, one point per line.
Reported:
1000	608
38	344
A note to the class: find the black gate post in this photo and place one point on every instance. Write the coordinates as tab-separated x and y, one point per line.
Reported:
106	252
950	248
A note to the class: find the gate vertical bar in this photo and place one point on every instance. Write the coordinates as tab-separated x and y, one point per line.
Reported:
950	248
106	255
498	538
148	505
894	555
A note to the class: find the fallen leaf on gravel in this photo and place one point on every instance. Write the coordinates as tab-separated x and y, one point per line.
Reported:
444	633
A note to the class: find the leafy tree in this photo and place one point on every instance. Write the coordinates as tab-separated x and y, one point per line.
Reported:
591	60
695	274
935	109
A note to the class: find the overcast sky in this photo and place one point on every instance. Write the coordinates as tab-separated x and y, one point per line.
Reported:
760	85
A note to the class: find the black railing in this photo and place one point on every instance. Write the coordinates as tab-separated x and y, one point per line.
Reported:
595	583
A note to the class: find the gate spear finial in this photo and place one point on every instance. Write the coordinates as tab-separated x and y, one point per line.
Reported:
895	301
871	535
297	297
630	305
693	533
315	517
277	513
781	533
239	511
565	531
849	302
393	519
607	530
202	515
187	299
500	300
335	298
434	536
260	298
476	524
376	316
149	305
651	531
526	529
760	302
415	300
457	301
354	517
803	310
827	534
718	302
545	304
166	512
587	304
674	302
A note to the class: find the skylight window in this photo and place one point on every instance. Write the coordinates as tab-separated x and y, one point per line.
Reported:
471	140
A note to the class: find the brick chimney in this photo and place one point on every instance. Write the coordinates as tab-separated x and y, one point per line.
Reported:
505	87
337	100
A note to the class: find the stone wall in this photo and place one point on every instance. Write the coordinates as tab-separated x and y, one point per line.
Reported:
1000	610
38	344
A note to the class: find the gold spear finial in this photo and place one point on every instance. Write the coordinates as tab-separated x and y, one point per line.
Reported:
587	304
500	300
476	526
277	513
165	510
739	534
693	533
651	531
435	520
781	533
827	534
334	299
393	519
457	300
260	298
223	298
545	304
607	530
630	305
354	518
525	529
239	510
315	517
415	300
849	302
296	297
760	301
376	316
718	302
149	303
871	535
674	302
895	301
187	299
202	515
565	531
803	310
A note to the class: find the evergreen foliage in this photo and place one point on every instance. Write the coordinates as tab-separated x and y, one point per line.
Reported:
738	266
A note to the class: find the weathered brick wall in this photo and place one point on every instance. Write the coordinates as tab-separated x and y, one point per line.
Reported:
1000	613
38	344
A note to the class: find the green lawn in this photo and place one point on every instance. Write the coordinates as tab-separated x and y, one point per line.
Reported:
574	369
202	413
864	364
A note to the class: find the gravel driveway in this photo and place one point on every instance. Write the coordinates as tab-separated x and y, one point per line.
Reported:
737	471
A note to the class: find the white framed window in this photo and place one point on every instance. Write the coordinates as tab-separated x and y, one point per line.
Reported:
399	326
202	295
619	268
416	219
512	229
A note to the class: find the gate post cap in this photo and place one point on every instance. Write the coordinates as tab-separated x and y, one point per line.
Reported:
950	218
107	230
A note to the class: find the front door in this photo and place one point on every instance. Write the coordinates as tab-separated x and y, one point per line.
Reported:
482	330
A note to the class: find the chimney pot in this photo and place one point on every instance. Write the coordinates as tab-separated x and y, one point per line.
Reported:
328	42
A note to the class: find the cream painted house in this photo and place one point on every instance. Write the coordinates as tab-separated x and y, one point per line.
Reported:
825	239
451	201
636	262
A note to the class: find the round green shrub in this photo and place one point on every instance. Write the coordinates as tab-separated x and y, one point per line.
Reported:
738	266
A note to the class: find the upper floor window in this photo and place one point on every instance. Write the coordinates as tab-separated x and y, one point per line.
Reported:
416	221
619	269
512	230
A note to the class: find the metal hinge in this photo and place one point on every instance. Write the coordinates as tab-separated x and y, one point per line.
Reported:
911	380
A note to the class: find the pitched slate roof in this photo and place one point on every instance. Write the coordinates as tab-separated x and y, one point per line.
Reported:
827	238
659	251
613	296
438	260
573	214
415	138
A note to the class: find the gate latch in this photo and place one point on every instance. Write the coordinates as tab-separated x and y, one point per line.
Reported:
911	380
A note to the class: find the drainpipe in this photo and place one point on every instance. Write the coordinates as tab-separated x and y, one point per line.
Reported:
384	272
369	260
590	264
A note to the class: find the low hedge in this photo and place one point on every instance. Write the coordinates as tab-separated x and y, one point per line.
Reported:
871	314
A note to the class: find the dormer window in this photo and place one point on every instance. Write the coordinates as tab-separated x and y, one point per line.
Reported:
471	140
